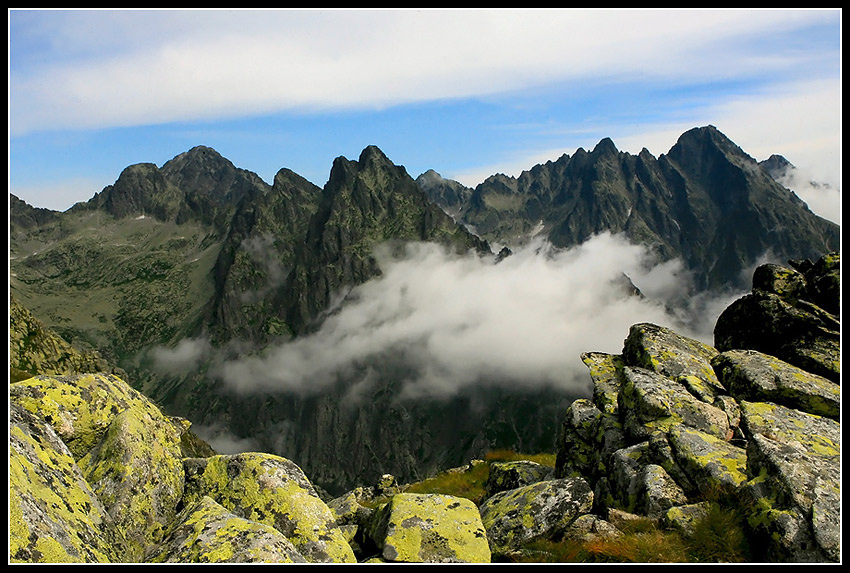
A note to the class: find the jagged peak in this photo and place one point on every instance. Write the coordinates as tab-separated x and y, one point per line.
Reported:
197	154
699	140
372	153
605	146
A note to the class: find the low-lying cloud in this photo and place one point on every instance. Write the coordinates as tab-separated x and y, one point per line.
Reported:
457	322
185	357
822	198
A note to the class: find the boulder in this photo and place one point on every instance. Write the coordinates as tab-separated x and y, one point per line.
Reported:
429	528
81	407
140	452
515	517
795	458
511	475
207	533
674	356
652	402
54	516
756	377
271	490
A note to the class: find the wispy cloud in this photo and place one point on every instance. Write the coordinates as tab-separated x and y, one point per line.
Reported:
461	321
161	66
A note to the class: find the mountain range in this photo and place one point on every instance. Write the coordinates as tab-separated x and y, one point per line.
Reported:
175	272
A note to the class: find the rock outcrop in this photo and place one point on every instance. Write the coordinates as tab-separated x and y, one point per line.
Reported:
674	421
99	474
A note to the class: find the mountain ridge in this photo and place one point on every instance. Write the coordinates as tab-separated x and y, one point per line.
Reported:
200	258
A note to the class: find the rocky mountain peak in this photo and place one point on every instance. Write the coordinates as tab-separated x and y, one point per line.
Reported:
203	171
605	147
776	166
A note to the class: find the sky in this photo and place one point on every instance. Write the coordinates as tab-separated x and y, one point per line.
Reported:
468	93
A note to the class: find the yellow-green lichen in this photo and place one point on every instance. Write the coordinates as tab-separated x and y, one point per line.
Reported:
434	528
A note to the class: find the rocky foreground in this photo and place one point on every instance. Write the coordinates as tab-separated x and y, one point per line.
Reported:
98	473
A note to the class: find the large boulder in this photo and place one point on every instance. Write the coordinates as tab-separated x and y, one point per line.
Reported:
271	490
207	533
756	377
515	517
651	402
430	528
140	452
674	356
54	516
511	475
80	408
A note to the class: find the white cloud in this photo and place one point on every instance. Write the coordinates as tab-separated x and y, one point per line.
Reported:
185	357
160	66
461	321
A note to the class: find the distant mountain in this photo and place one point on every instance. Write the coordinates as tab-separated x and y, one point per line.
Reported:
706	201
208	260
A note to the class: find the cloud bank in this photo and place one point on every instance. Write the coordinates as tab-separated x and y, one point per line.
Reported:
458	322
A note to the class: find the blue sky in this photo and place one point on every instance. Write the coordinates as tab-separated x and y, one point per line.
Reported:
468	93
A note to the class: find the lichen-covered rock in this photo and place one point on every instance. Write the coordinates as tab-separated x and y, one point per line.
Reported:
796	501
683	518
430	528
518	516
812	434
205	532
587	438
347	509
796	460
137	473
755	377
80	407
622	483
588	528
710	462
54	516
799	326
652	402
511	475
677	357
658	491
788	283
605	371
272	490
